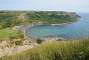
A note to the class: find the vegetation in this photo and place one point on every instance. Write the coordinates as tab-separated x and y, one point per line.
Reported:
39	41
53	17
10	34
55	50
14	18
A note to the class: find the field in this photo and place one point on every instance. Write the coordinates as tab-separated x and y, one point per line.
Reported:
5	33
9	33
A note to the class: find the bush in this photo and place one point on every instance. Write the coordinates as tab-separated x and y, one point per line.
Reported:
18	42
39	41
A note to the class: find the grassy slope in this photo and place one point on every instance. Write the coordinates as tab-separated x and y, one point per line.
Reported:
55	50
8	33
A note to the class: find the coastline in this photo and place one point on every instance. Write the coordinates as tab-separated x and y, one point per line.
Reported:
61	24
47	38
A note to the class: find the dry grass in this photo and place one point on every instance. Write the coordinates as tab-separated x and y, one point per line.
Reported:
55	50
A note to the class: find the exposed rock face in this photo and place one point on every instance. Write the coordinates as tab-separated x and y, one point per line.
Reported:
26	42
6	49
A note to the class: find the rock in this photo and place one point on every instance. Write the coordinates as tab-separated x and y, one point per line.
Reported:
27	42
5	50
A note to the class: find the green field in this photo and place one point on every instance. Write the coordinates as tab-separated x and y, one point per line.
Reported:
8	33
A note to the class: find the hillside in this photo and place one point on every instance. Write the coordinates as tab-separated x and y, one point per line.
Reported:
55	50
13	18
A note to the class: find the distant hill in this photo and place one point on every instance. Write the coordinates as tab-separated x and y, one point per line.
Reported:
13	18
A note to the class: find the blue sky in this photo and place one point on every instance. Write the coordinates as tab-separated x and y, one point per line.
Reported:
58	5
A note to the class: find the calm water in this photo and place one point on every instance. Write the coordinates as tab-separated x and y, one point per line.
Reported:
76	30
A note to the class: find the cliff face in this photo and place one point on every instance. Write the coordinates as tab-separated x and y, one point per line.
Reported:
11	48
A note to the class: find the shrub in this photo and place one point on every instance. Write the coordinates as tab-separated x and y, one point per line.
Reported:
39	41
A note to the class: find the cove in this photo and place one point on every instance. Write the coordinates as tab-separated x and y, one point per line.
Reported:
75	30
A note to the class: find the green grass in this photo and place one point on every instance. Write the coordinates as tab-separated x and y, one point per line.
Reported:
8	33
55	50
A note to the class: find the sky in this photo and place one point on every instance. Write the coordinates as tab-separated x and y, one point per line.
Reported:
46	5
